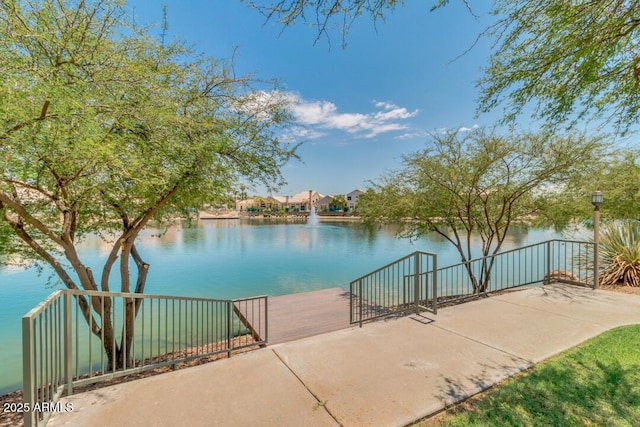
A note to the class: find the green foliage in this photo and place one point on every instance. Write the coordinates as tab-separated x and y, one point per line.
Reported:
619	180
596	383
616	174
620	253
477	184
339	202
571	59
103	129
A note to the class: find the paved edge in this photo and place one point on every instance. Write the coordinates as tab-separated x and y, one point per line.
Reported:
231	392
388	373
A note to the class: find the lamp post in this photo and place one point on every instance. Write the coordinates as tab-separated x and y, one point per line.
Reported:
596	200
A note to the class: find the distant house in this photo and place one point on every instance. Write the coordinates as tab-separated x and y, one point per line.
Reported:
245	204
304	200
322	205
300	202
258	204
282	202
269	203
352	199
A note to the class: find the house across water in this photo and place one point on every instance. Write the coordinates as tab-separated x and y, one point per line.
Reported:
300	203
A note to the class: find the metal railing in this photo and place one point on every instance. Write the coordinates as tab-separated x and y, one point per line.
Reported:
408	284
392	289
65	347
554	260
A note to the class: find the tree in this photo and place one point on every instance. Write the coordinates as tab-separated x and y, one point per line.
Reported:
616	174
104	129
339	202
620	181
477	184
570	59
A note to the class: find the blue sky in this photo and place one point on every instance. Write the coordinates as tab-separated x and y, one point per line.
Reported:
361	107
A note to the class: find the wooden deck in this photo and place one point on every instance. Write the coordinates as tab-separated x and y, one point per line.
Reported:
305	314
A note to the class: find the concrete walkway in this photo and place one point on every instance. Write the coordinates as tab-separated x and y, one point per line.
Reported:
388	373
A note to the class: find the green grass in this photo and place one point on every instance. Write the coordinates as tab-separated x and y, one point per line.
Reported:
594	384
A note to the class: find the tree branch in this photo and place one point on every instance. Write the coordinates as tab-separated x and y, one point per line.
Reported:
43	115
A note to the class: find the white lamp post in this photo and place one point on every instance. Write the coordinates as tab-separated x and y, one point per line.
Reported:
596	200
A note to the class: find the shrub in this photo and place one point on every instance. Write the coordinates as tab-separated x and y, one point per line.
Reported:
620	253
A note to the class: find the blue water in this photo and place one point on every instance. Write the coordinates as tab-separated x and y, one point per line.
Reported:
231	259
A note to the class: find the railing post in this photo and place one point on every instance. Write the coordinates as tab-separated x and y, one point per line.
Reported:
229	336
67	344
596	265
360	300
266	318
28	369
434	283
416	282
350	303
547	277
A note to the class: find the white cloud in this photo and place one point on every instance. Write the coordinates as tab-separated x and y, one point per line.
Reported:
317	118
465	129
414	134
460	129
262	105
325	115
442	131
307	133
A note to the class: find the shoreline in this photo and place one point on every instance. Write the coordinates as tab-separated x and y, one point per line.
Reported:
291	218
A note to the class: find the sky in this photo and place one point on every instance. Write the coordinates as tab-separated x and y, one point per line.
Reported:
360	108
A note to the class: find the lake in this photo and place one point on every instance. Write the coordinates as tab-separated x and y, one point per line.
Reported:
232	259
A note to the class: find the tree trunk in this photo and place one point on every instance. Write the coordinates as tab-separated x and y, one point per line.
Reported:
121	355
